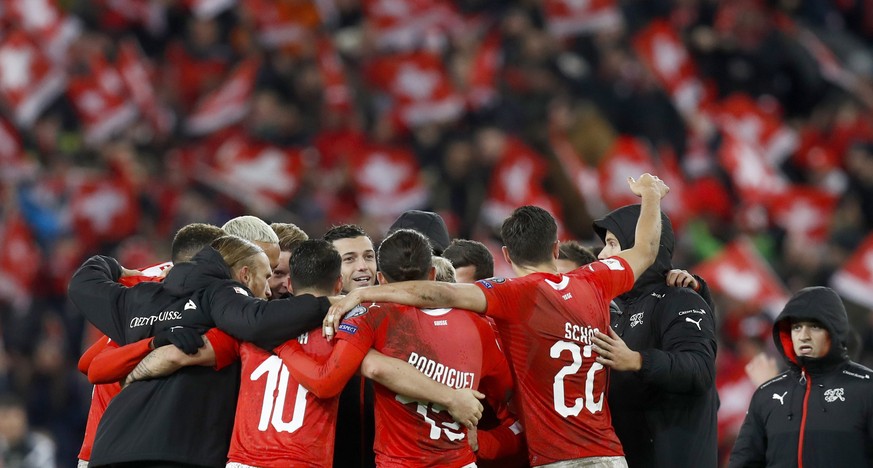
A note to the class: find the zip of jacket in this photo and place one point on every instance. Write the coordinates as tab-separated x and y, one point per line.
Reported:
808	379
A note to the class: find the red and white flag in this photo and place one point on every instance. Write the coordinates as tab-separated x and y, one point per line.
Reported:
103	210
567	18
29	81
628	157
283	24
854	280
226	105
387	181
44	21
804	212
745	119
740	272
100	98
20	259
661	49
482	81
13	163
256	173
337	93
132	66
755	178
421	87
403	25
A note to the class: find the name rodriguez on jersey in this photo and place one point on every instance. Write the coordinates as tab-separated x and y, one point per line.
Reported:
441	373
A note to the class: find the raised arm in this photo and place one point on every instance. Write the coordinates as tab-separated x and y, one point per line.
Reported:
95	292
403	379
415	293
648	232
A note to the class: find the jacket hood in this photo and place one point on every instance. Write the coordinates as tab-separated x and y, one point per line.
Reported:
824	306
205	268
622	222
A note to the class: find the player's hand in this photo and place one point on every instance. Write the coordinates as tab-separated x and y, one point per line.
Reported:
681	278
614	353
337	311
473	439
648	183
761	368
128	272
187	339
465	406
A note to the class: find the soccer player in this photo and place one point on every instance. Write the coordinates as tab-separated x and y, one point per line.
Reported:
471	259
547	321
450	346
290	236
254	229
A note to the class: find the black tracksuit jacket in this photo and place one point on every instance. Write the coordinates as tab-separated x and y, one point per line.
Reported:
186	417
665	413
819	413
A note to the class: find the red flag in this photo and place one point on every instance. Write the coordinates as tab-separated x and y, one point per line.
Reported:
28	79
567	18
740	272
628	157
13	164
387	181
100	98
746	119
804	212
482	81
241	166
132	66
661	49
420	85
855	279
755	178
47	23
337	93
284	23
104	210
227	104
401	25
20	259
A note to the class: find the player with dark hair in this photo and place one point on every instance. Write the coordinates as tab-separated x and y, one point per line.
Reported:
450	346
471	259
290	236
547	321
572	255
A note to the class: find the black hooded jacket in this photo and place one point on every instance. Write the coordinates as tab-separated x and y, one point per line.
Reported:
186	417
819	411
665	413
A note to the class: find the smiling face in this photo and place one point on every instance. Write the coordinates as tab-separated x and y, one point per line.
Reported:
359	262
810	339
280	281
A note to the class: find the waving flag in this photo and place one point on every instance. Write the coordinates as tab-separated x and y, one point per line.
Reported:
29	81
567	18
226	105
855	279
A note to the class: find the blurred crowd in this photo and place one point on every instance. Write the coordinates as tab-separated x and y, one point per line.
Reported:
123	120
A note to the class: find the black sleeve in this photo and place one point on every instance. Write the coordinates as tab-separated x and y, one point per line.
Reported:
265	323
705	293
685	361
750	448
94	290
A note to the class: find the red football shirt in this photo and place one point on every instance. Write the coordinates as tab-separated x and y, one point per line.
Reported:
278	422
546	322
454	347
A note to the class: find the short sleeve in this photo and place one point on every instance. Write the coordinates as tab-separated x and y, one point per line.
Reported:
613	274
359	326
503	296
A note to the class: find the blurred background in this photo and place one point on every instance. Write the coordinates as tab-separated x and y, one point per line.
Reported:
123	120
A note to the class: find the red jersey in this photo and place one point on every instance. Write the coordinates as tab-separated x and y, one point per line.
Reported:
453	347
546	321
278	422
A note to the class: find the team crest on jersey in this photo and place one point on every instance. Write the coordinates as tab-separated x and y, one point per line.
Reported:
490	282
833	394
240	290
350	329
357	311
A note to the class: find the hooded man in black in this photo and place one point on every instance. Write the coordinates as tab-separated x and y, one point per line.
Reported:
185	419
661	348
818	413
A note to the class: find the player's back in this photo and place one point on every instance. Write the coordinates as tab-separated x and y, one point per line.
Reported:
278	422
454	347
546	322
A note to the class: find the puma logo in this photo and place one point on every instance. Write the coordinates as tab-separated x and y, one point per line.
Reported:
696	322
780	397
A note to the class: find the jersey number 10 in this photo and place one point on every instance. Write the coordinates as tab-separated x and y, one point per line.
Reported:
558	387
274	404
